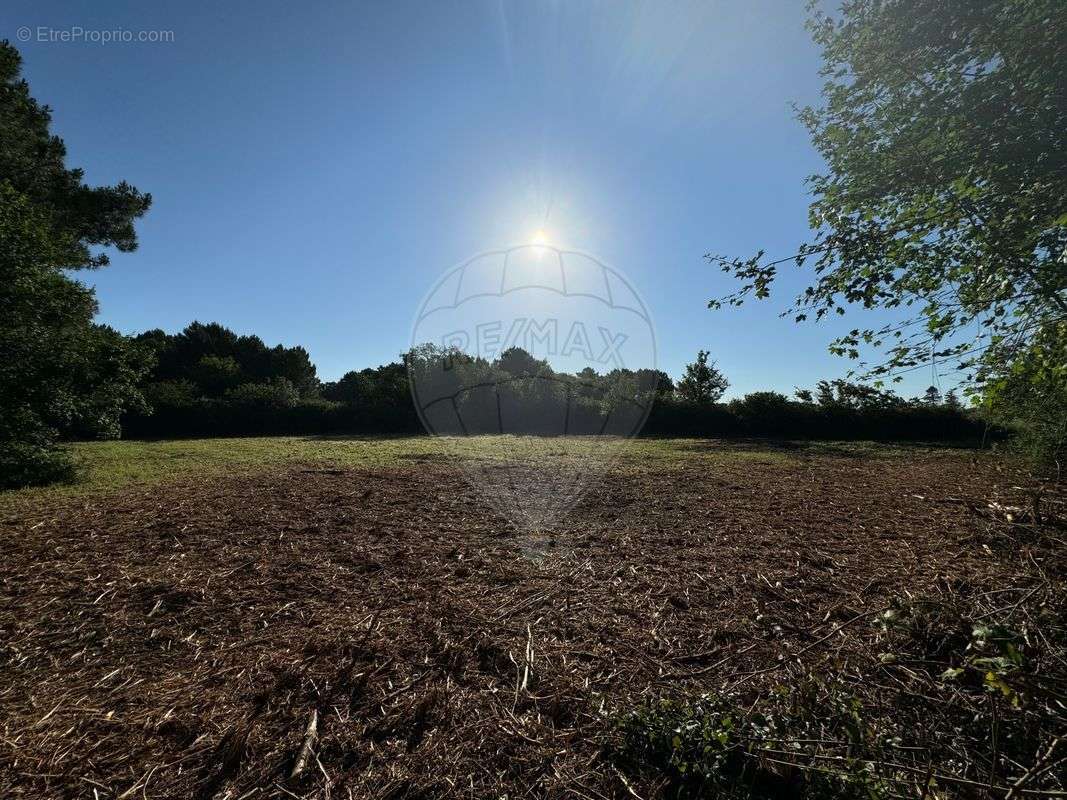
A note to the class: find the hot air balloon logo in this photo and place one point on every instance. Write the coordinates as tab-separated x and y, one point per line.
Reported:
535	365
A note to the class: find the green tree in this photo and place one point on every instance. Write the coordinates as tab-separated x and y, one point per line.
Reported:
767	407
516	361
944	130
657	382
59	373
382	386
346	389
702	383
274	395
845	394
216	374
216	359
1031	396
171	394
386	385
931	397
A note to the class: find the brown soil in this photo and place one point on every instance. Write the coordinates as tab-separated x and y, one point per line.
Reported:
175	641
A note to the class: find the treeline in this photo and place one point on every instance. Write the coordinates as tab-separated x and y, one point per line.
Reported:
209	381
824	417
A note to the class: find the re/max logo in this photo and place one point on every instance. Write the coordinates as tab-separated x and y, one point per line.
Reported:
540	338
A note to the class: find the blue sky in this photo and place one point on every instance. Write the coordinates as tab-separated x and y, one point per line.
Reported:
316	167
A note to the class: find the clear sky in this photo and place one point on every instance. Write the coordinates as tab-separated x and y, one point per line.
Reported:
316	166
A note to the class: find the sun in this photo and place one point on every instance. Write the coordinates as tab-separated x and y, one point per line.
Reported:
539	237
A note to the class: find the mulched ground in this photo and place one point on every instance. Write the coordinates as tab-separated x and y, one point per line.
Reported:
177	641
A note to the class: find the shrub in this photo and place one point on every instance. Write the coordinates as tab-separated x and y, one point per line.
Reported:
171	394
955	685
278	393
26	464
216	375
765	413
1030	398
719	746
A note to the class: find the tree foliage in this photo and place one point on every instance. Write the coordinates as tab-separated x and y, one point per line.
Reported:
1030	395
846	394
382	387
379	401
59	372
541	399
215	359
944	130
702	383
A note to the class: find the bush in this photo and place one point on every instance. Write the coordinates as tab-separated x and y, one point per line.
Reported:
25	464
771	414
171	394
276	394
1030	398
719	746
765	413
913	718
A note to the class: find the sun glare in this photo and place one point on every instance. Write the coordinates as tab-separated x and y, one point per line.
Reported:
540	237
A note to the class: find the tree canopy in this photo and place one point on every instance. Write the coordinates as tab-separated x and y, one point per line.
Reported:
59	372
944	131
702	383
216	360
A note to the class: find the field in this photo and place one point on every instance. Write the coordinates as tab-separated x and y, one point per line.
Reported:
348	618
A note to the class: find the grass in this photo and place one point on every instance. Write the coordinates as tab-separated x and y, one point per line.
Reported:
113	465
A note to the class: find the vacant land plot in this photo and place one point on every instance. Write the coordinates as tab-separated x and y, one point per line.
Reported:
317	618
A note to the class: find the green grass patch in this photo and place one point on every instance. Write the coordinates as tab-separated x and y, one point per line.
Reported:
112	465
